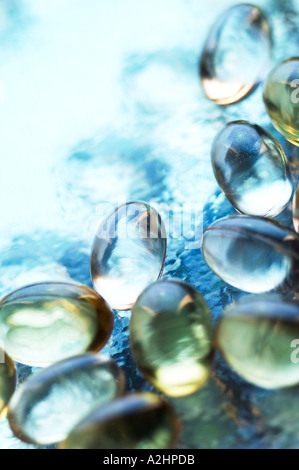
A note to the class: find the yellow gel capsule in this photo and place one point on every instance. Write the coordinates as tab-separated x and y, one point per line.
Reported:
128	253
43	323
171	337
7	381
258	338
281	97
138	421
52	402
236	54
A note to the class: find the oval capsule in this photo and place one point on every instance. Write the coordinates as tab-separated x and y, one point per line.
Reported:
252	253
252	170
236	53
43	323
281	98
258	337
128	253
138	421
53	401
171	337
8	381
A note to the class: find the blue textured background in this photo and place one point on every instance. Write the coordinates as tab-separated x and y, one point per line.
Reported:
101	102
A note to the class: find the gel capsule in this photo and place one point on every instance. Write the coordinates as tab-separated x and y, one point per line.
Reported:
140	421
128	253
236	54
47	322
52	402
281	97
252	170
296	209
171	337
252	254
7	381
256	337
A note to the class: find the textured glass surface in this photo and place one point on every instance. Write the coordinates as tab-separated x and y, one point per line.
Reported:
102	103
236	54
256	337
252	170
128	253
47	322
7	381
171	335
281	97
253	254
52	402
140	421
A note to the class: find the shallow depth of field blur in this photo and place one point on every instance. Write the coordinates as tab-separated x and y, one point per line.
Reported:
100	102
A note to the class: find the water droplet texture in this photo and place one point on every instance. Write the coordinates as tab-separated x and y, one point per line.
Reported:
252	254
236	53
171	337
281	97
128	253
52	402
255	335
139	421
252	170
7	381
47	322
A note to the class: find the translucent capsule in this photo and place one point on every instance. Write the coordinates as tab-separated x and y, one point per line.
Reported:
47	322
252	254
259	338
171	337
296	209
52	402
252	170
281	97
128	253
139	421
236	54
7	381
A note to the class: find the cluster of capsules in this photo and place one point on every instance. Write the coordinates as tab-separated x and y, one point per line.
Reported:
78	399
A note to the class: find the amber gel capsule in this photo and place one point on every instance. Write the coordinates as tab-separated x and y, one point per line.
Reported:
256	338
281	97
128	253
252	253
43	323
236	54
52	402
171	337
7	381
252	170
138	421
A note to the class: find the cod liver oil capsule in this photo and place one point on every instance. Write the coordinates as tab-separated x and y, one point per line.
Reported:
171	337
138	421
252	254
281	97
128	253
7	381
255	336
236	53
252	170
43	323
52	402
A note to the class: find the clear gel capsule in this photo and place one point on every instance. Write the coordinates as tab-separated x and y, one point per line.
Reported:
281	97
236	54
252	170
139	421
43	323
171	337
128	253
52	402
252	254
259	338
7	381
